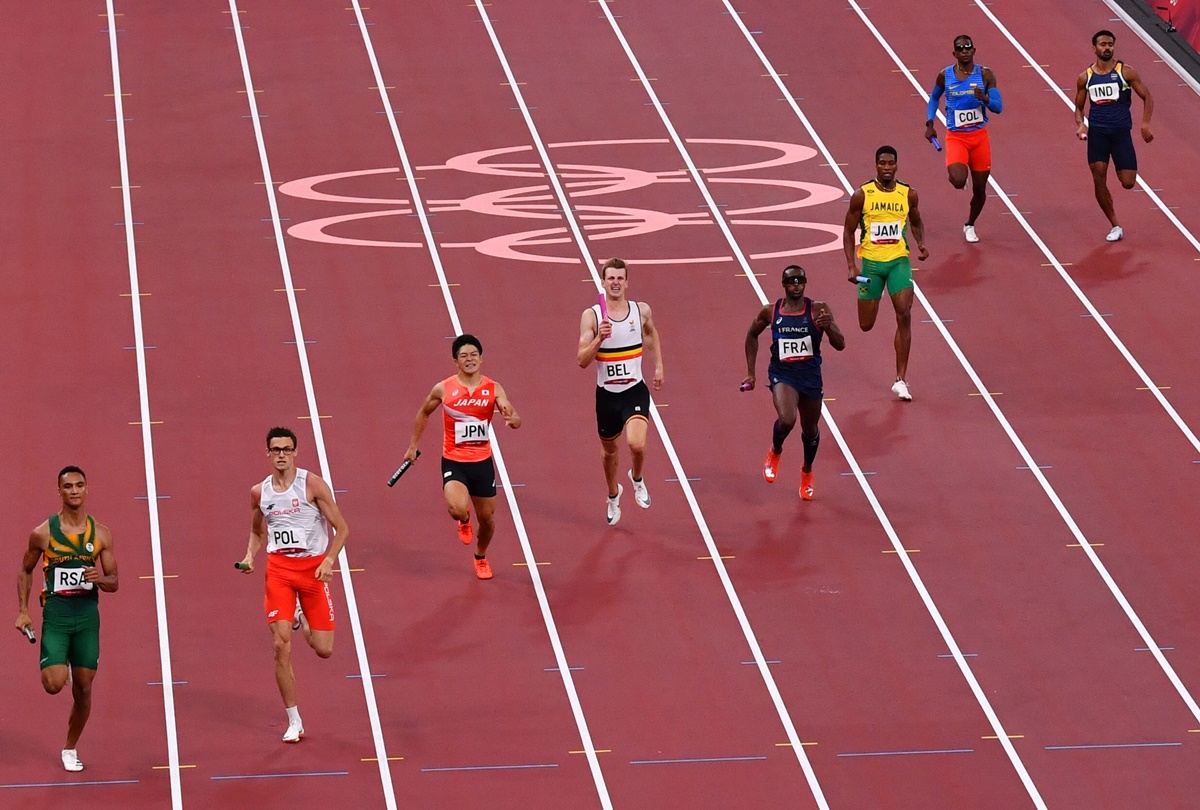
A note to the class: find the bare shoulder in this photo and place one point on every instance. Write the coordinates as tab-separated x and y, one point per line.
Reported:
103	535
41	535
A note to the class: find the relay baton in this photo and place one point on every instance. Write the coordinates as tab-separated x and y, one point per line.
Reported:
28	631
241	566
745	386
861	279
604	306
936	144
401	471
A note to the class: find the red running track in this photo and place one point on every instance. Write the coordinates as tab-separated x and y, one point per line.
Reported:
677	712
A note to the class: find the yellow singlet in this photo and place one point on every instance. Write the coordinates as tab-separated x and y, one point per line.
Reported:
884	224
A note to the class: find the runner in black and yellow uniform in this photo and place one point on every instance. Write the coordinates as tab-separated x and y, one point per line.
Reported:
78	564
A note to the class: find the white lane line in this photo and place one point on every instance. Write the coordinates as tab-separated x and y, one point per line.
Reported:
1070	102
535	576
135	298
1130	613
364	666
668	445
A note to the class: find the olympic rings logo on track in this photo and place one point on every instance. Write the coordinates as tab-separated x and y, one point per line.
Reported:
584	182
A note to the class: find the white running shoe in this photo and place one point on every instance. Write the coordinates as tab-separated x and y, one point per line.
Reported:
70	760
294	733
640	494
614	507
298	621
900	389
1115	234
969	233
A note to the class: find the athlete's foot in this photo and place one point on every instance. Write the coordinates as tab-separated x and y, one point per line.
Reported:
771	466
900	389
70	760
294	733
969	233
806	486
641	495
483	569
465	533
1115	234
614	506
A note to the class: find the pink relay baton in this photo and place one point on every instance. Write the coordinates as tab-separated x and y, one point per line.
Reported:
604	306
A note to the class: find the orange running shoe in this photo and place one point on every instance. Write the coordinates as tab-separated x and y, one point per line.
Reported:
465	533
482	569
806	487
770	466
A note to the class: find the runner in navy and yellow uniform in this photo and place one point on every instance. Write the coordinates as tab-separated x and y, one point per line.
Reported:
880	213
971	93
469	400
78	563
797	326
616	344
1110	85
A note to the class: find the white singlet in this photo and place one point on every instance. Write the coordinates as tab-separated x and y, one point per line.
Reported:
294	526
619	358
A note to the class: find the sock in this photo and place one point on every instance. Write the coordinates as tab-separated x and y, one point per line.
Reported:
810	447
613	498
293	714
479	556
635	480
778	434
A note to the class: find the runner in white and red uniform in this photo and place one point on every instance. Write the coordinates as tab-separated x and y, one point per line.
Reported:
293	511
469	400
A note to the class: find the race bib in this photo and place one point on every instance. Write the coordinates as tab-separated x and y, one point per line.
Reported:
285	538
1103	92
886	233
968	118
795	348
469	431
69	579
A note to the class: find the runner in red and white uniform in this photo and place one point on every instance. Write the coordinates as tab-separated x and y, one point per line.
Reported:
293	511
469	400
617	343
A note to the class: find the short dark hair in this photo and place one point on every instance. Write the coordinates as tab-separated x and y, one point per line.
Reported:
616	263
71	469
1103	32
967	37
281	433
792	267
465	340
885	150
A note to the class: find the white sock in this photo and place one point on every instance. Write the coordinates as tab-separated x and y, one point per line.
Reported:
293	713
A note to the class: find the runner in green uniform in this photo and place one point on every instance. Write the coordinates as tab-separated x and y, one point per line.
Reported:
78	563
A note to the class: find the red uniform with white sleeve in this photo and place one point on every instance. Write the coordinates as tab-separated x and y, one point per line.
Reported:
467	419
297	539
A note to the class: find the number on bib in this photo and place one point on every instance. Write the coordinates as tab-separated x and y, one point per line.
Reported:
969	117
284	537
69	579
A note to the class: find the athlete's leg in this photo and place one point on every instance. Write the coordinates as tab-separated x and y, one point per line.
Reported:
785	399
810	433
868	309
81	708
958	174
1103	195
1128	177
458	501
285	677
608	454
902	303
317	607
635	437
54	678
978	194
485	512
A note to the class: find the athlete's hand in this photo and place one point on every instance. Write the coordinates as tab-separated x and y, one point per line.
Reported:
852	275
410	455
1147	135
510	416
657	382
247	566
1081	132
325	570
23	621
823	317
980	94
930	133
92	575
747	383
605	329
922	252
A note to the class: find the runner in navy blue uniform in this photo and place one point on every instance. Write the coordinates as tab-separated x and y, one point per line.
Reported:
797	326
1110	84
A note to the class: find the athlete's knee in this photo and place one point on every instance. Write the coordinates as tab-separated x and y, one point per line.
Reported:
1129	182
323	649
53	685
786	421
459	512
904	317
283	646
958	179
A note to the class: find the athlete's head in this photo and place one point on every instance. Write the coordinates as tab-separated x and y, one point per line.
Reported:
465	340
615	275
963	44
1103	43
885	164
1102	33
72	486
885	150
281	433
71	469
794	280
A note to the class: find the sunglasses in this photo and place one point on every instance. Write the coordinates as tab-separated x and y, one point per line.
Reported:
795	280
964	47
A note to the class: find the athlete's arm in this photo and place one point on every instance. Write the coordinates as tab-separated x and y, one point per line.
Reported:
258	530
106	581
591	335
1080	100
853	220
931	109
651	340
38	542
431	403
320	496
991	92
1135	81
918	227
824	321
504	405
761	321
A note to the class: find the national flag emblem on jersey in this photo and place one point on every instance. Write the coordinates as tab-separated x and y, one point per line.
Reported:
295	502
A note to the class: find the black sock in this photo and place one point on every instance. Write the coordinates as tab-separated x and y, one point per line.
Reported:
478	557
810	447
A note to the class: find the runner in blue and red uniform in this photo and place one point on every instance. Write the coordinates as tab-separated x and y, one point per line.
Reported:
797	325
1110	84
971	93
